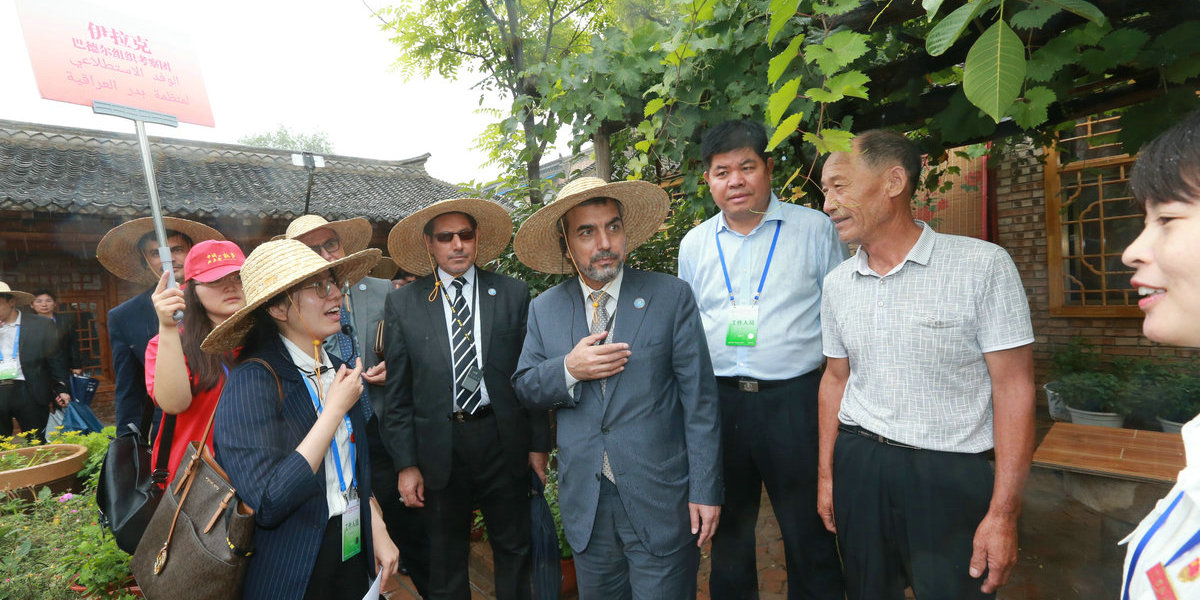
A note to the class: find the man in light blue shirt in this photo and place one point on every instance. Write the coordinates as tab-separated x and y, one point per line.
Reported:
756	270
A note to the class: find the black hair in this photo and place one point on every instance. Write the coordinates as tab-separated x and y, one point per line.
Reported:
1168	167
152	236
733	135
45	292
204	368
428	229
881	148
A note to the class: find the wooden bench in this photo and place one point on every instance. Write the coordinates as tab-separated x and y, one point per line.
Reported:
1129	454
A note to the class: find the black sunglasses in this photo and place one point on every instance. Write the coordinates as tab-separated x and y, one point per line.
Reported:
445	237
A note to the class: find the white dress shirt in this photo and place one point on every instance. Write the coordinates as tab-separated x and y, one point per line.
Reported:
613	290
8	343
471	292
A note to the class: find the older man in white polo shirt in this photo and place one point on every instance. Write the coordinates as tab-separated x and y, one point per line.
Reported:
930	367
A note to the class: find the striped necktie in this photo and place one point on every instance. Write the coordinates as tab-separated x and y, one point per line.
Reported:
463	349
599	300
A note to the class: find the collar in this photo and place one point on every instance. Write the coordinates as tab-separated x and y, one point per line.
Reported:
773	214
15	322
920	253
448	280
613	289
302	359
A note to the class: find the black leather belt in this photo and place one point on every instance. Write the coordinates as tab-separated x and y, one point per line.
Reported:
750	384
855	429
4	382
464	417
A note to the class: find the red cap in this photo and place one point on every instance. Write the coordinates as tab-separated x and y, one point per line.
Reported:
211	260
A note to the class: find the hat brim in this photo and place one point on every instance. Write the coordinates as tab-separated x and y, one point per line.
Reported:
118	250
406	242
355	233
645	207
229	334
217	273
22	298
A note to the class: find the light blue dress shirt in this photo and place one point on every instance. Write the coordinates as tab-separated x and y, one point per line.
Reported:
789	313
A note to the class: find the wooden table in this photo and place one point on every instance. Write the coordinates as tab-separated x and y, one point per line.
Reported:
1129	454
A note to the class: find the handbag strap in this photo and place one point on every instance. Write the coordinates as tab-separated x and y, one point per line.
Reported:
165	437
189	476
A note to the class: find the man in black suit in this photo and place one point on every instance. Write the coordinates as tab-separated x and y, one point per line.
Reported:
130	251
452	422
33	374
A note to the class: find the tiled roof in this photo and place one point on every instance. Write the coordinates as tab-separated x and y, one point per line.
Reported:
48	168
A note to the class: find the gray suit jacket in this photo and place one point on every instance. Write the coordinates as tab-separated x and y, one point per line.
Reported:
659	421
366	300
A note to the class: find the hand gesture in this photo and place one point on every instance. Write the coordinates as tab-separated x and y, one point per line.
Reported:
166	302
411	486
346	388
586	361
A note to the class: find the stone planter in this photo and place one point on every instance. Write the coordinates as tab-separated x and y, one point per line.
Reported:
1169	426
58	474
1100	419
1054	402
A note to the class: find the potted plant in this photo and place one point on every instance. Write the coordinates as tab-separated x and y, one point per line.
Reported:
1077	356
1176	400
25	465
564	549
1094	399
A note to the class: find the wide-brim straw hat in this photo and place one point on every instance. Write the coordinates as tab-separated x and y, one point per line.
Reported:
355	233
406	242
644	204
23	298
270	270
384	269
118	250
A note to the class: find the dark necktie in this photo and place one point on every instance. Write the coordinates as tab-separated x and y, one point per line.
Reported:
349	351
463	349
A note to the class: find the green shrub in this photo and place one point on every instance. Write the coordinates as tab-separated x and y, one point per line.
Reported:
1096	392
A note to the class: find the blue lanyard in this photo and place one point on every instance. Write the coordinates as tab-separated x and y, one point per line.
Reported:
337	457
1158	523
16	339
766	267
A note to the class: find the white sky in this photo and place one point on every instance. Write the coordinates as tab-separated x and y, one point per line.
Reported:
306	64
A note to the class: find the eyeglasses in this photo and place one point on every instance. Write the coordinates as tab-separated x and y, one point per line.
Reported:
224	281
323	287
445	237
330	246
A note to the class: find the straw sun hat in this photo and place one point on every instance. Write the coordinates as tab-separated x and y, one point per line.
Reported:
22	297
406	242
645	206
118	250
270	270
355	233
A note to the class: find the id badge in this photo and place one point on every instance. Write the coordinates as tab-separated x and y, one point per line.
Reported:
471	379
351	528
9	368
743	326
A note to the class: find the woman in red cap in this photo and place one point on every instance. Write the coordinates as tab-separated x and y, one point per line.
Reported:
184	381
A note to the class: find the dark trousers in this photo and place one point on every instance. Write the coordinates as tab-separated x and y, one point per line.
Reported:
478	478
907	518
15	404
770	438
335	579
405	525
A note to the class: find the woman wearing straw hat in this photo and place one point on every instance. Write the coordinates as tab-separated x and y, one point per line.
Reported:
184	381
286	425
33	374
1163	552
621	354
130	251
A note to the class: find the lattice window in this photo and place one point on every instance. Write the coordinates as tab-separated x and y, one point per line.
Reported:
1090	219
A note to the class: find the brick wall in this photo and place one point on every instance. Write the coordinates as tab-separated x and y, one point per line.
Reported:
1021	229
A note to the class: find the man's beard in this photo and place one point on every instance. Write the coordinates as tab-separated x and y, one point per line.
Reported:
603	274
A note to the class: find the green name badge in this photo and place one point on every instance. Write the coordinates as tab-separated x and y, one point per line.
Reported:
743	326
9	368
351	529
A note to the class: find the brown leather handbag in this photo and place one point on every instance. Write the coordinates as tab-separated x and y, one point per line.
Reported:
197	544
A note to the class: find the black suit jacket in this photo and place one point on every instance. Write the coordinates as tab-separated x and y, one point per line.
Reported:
45	371
415	422
68	340
130	327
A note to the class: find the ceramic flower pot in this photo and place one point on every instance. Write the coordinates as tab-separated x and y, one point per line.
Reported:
56	471
1100	419
1169	426
568	577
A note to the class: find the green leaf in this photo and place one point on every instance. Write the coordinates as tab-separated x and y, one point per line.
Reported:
781	12
1049	59
703	9
654	106
837	51
850	83
1117	48
835	7
779	63
1030	111
946	32
830	140
931	7
781	99
995	70
1182	69
1035	16
642	146
786	128
821	95
1082	8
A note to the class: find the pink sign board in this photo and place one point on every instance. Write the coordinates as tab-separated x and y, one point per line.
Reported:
82	52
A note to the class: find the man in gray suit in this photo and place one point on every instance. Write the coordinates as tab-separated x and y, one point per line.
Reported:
363	303
621	354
